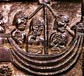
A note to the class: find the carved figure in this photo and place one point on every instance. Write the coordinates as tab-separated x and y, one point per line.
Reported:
18	34
36	29
59	39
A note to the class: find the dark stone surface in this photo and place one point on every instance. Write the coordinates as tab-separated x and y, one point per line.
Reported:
4	55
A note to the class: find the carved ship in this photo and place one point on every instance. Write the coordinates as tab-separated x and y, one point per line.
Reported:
47	65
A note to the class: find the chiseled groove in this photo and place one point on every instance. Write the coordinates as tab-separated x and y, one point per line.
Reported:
75	60
21	67
50	73
32	73
42	62
48	67
40	68
38	56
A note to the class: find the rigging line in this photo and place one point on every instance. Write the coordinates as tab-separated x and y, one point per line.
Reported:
39	8
51	10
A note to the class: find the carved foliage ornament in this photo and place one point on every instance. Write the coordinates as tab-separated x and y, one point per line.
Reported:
39	52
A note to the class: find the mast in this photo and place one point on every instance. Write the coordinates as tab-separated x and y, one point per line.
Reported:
43	2
45	30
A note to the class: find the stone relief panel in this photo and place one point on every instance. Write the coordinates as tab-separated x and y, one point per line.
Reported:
43	38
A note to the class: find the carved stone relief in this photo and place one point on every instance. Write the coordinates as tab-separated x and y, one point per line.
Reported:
5	71
42	38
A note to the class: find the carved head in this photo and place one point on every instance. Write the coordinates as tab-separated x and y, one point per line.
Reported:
36	26
80	27
61	23
20	21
